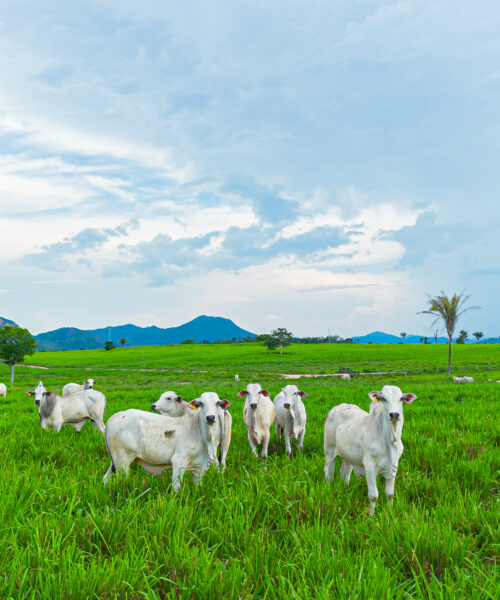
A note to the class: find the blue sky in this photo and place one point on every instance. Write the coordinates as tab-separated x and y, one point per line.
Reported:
313	165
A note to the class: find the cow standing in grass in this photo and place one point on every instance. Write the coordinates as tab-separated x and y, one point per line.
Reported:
291	416
369	443
71	388
75	409
258	415
169	404
3	390
158	443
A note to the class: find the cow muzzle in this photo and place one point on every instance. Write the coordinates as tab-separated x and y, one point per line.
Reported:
253	406
394	416
286	405
210	419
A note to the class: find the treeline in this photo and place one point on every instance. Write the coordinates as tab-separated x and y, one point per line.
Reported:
330	339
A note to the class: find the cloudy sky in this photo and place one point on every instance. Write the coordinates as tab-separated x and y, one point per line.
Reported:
309	164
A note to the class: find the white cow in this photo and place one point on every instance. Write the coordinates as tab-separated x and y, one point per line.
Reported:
170	404
464	379
369	443
258	415
71	388
75	409
158	443
3	390
345	376
291	415
236	378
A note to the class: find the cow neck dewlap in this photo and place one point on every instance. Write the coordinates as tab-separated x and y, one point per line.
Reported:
391	432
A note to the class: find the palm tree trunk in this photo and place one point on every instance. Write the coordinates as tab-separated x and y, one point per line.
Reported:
281	348
449	357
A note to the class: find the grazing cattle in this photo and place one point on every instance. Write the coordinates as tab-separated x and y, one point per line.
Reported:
369	443
464	379
258	415
75	409
158	443
291	415
3	390
71	388
345	376
236	378
171	405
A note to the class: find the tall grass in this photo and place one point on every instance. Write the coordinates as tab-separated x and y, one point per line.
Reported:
270	529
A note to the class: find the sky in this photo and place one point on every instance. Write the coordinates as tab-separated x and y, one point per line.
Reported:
315	165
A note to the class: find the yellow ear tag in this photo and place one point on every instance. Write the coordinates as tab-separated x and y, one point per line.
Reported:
193	406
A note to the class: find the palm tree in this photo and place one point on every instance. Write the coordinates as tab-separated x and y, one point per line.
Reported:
436	333
403	335
449	310
478	335
122	341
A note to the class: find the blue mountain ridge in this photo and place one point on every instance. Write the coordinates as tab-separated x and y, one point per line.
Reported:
379	337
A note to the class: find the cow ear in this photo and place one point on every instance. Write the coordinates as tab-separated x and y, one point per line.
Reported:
408	398
375	396
242	394
225	404
30	394
302	394
179	399
195	404
265	393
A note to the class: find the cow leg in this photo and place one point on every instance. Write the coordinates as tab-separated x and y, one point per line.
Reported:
345	471
265	444
108	473
301	438
253	445
389	488
288	435
278	431
330	455
178	470
371	480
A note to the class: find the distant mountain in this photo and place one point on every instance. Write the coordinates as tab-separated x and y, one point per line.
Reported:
4	322
200	329
379	337
68	338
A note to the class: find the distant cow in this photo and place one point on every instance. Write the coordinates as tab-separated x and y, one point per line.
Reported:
75	409
170	404
236	378
3	390
291	415
157	443
258	415
345	376
71	388
464	379
369	443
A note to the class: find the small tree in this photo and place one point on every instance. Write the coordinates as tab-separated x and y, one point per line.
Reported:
436	333
478	335
109	345
123	341
279	337
15	344
188	341
403	334
449	310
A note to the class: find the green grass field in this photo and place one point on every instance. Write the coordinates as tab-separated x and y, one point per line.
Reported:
269	529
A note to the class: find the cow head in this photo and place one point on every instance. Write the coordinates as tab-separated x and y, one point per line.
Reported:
209	404
292	394
89	384
37	393
168	404
391	399
253	394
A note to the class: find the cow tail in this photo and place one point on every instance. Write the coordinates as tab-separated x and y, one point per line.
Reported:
113	468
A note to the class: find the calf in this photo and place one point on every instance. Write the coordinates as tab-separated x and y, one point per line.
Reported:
3	390
71	388
171	405
75	409
291	415
369	443
258	415
157	443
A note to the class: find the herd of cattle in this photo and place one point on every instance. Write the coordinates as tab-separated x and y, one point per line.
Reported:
189	436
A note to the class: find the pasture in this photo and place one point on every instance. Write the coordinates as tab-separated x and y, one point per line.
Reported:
262	529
